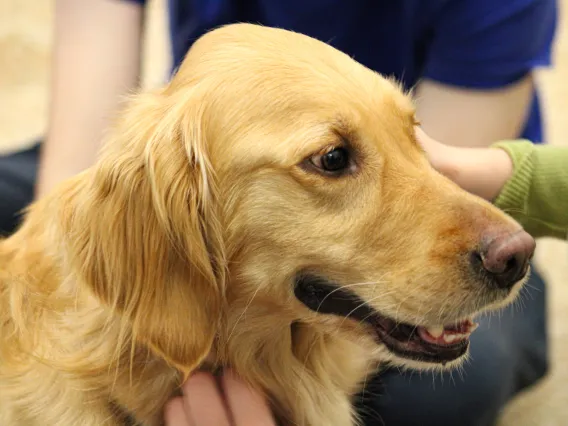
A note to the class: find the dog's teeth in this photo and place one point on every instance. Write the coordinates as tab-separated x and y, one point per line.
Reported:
436	331
449	338
452	337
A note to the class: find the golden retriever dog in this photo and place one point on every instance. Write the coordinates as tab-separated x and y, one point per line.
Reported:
269	210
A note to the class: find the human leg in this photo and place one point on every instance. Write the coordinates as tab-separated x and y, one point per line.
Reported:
17	180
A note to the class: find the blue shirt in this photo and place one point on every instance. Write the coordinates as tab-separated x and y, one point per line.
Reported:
478	44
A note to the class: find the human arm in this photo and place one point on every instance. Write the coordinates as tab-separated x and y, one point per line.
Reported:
477	85
478	116
96	60
527	181
536	195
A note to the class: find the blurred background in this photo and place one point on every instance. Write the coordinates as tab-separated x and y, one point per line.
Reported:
25	43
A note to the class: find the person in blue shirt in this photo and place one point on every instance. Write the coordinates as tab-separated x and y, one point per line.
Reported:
470	64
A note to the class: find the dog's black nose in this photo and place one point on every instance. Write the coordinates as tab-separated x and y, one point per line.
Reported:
505	258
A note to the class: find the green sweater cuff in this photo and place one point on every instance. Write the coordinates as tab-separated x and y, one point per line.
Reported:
514	195
536	195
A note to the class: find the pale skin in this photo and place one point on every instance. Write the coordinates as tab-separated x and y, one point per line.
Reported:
473	118
94	69
227	401
481	171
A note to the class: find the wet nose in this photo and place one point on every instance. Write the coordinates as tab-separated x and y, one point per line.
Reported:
504	259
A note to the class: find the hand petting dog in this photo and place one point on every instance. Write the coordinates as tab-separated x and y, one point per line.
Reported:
226	402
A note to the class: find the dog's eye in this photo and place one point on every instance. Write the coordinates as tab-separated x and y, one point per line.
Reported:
333	161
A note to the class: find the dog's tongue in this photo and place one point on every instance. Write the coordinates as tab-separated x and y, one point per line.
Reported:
447	335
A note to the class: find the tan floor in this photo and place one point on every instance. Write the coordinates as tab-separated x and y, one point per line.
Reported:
25	27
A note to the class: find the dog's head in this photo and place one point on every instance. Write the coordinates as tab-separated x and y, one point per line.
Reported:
277	176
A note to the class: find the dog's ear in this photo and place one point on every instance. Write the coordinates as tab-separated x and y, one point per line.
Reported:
142	228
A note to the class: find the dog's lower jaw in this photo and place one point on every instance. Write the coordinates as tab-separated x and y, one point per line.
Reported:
404	364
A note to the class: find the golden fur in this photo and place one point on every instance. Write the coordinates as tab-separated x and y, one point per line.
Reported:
178	249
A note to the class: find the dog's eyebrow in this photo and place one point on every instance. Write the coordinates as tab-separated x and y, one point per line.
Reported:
344	130
414	122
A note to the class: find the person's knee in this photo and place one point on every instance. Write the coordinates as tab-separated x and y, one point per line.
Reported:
12	203
531	332
434	399
17	181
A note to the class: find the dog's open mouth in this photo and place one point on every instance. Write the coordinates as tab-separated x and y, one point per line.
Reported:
433	344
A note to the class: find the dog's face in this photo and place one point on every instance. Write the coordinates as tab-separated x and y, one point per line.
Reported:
285	179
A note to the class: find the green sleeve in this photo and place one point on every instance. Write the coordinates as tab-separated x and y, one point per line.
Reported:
536	195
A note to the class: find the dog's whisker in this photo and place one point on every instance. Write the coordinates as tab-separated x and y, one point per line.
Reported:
359	306
338	288
532	287
242	314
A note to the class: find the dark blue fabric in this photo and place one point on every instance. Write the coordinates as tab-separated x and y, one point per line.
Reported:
17	180
484	44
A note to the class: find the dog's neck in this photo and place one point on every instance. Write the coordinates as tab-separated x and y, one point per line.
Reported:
293	360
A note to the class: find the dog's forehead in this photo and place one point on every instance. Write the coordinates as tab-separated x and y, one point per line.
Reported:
253	49
286	66
281	94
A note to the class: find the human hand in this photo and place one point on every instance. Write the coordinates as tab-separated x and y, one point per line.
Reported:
204	404
444	158
481	171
